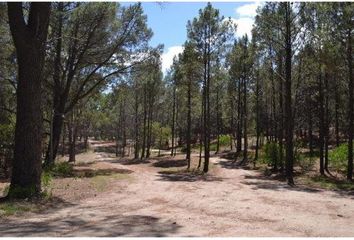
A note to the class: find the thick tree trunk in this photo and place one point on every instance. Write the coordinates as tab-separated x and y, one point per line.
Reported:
29	39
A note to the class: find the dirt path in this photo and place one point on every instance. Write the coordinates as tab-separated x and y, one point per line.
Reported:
154	202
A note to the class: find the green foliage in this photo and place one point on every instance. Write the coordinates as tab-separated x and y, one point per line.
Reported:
329	183
270	152
62	169
224	140
160	133
12	208
338	157
46	180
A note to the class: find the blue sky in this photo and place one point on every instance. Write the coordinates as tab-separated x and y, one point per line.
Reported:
169	19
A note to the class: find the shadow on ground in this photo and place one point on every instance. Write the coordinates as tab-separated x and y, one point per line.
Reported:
87	172
125	161
270	184
168	163
76	226
106	149
186	176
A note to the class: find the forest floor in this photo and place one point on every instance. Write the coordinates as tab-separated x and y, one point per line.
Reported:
155	197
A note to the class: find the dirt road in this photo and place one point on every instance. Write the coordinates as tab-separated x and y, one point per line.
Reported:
156	202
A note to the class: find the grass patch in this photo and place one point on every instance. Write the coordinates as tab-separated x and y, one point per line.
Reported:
62	169
329	183
16	207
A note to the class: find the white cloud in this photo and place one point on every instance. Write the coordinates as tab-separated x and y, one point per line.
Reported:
244	26
248	10
167	57
245	18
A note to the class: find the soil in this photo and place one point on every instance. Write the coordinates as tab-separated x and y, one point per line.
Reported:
154	198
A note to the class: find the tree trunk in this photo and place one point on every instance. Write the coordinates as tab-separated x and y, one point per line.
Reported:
245	144
350	106
144	126
281	117
29	39
239	117
136	146
173	120
72	138
288	102
189	122
310	133
149	126
321	121
336	114
257	120
207	111
58	101
217	121
326	131
63	141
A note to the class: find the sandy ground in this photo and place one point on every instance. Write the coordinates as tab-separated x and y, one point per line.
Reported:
155	202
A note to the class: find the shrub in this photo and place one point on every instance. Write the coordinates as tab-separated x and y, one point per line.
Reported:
224	140
270	153
46	180
338	157
63	169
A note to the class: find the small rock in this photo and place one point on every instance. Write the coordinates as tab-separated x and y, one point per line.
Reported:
174	223
339	215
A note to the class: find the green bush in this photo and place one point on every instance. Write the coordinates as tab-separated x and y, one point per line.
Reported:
224	140
271	153
46	180
63	169
338	157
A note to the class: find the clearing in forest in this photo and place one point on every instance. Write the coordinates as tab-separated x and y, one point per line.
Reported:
122	197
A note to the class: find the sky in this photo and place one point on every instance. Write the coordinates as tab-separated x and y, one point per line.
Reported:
168	21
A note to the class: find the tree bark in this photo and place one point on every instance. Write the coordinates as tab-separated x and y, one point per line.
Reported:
288	102
29	39
173	119
321	120
350	106
189	122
